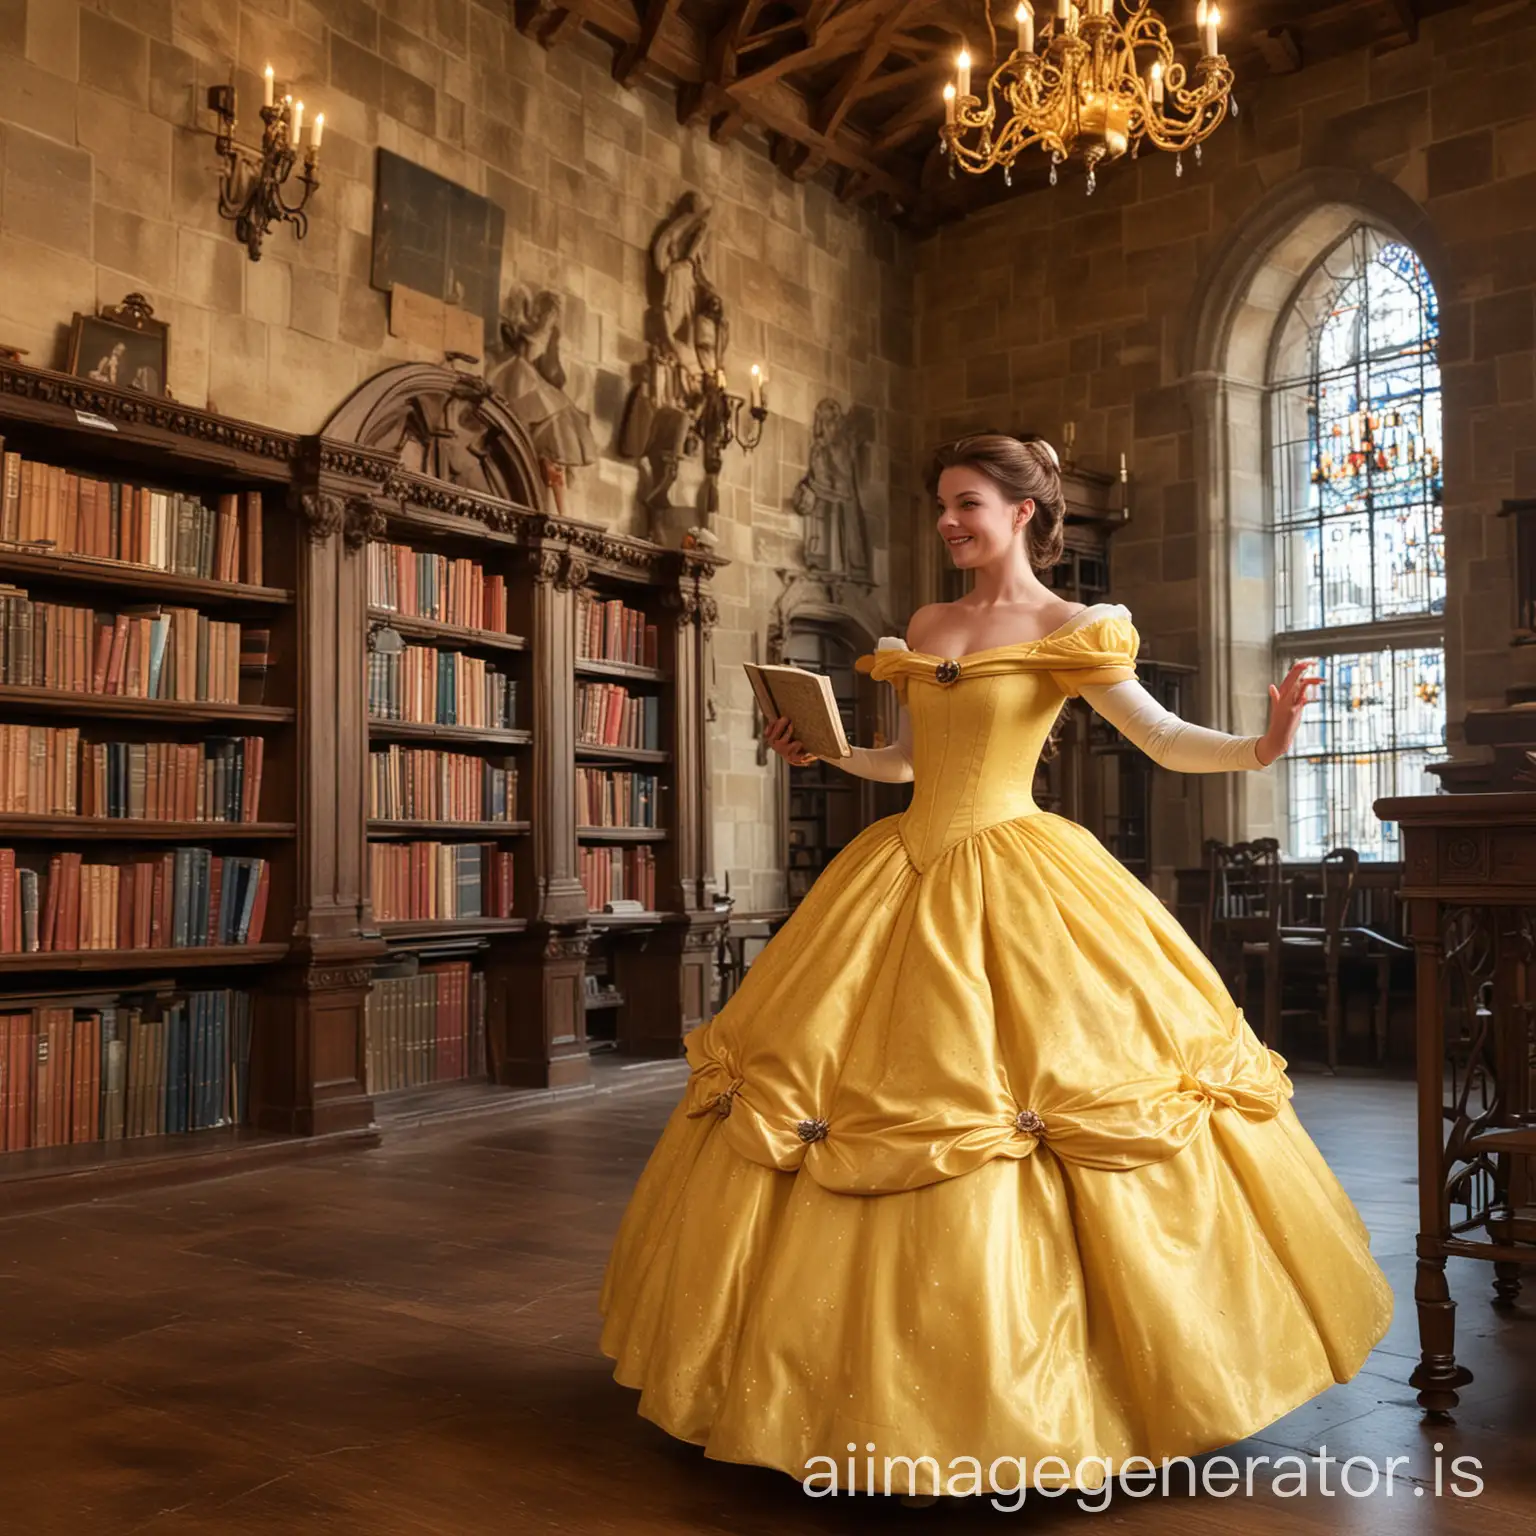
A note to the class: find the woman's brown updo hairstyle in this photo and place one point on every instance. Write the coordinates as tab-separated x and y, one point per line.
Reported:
1023	469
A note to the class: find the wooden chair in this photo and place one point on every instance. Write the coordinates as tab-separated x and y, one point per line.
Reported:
1327	952
1242	919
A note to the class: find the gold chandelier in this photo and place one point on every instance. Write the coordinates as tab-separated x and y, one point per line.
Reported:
1096	86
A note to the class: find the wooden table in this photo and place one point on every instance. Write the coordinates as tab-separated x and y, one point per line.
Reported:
1469	894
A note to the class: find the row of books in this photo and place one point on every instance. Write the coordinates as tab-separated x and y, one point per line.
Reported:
616	797
618	874
420	585
425	784
71	514
149	652
425	882
426	1027
426	686
46	770
71	1074
215	780
184	898
608	715
607	630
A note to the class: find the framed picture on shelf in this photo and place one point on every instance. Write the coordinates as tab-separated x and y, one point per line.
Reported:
124	346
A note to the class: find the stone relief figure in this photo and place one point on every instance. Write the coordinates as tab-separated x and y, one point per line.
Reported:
533	379
827	497
681	253
689	336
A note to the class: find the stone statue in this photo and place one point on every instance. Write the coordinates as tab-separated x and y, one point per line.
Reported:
827	497
692	313
533	379
689	336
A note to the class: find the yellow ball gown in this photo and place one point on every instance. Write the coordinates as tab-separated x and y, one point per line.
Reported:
981	1159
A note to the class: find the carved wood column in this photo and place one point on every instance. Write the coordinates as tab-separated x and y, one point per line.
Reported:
536	1016
558	574
313	1065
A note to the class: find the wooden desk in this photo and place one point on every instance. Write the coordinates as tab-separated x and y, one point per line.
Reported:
1469	894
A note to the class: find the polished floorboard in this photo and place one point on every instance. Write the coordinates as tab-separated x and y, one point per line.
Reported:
404	1340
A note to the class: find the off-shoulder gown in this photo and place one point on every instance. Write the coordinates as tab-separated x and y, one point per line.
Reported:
981	1159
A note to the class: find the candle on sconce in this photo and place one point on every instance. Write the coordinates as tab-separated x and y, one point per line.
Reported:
1069	434
298	120
963	66
1125	473
1063	11
949	104
1025	17
269	86
1212	22
1157	82
755	393
316	129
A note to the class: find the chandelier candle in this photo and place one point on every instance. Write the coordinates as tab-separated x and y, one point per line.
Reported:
1026	20
1107	81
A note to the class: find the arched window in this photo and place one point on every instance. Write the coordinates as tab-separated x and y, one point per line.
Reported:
1359	539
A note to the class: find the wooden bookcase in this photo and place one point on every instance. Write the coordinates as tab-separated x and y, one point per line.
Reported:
299	1081
441	463
392	466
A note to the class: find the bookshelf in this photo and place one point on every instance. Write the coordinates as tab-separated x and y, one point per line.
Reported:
466	485
151	816
433	738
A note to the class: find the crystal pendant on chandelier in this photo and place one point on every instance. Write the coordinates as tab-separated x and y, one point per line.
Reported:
1089	89
1178	166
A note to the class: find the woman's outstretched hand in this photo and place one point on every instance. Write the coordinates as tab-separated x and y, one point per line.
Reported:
779	738
1285	706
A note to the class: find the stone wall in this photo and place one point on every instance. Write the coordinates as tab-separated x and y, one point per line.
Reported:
109	185
1143	314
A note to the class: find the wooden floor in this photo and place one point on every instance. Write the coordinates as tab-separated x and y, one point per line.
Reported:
404	1340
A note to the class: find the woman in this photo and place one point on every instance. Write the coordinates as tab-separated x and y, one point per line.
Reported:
981	1163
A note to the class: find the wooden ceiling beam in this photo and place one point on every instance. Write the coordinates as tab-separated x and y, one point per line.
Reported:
924	110
917	78
633	59
837	103
679	51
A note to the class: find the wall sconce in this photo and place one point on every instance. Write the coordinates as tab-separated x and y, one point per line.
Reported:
716	422
251	182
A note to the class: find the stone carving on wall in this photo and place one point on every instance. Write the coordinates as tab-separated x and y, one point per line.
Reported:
687	338
532	380
827	497
449	424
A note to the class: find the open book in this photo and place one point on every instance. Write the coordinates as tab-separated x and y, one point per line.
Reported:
808	700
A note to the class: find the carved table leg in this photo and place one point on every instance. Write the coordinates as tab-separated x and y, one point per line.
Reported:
1437	1376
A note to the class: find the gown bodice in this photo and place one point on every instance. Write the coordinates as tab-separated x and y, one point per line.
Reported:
981	720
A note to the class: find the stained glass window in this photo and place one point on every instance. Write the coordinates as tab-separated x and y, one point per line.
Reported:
1359	538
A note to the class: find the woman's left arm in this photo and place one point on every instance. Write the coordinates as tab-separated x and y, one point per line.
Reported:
1176	744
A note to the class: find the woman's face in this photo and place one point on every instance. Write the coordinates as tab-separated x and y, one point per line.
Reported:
976	522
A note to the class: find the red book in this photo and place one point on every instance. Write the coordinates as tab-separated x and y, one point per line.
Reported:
23	1064
5	1082
259	911
10	925
158	882
42	1081
117	655
252	538
47	938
